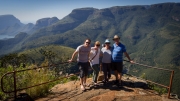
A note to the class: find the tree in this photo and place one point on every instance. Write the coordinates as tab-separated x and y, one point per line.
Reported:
14	60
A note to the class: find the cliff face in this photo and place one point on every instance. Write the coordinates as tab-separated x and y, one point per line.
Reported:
46	21
71	92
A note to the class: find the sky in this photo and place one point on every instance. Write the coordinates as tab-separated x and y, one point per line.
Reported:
29	11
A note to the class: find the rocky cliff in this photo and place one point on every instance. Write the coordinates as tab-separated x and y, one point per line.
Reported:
46	21
71	92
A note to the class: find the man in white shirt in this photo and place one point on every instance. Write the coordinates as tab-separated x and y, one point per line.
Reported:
83	61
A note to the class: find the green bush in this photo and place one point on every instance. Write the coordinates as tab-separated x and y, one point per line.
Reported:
27	79
31	78
159	90
72	78
8	82
34	77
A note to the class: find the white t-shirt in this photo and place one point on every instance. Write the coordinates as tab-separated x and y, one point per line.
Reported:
106	55
92	54
83	53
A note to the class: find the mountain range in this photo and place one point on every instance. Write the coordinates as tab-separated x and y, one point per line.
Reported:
151	33
10	25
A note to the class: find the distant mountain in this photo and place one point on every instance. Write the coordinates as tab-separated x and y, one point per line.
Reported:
9	20
71	21
10	25
44	22
150	33
27	27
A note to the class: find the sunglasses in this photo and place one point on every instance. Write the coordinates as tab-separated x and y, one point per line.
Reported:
88	42
97	45
107	43
115	39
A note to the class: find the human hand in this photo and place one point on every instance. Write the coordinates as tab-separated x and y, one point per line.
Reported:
70	60
131	61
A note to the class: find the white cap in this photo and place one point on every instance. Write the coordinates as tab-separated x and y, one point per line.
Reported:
107	41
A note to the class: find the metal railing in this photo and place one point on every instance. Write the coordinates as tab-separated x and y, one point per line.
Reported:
15	81
162	69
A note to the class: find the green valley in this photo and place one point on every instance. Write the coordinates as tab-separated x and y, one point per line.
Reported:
151	34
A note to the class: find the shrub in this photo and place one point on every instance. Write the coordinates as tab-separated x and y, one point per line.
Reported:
26	79
34	77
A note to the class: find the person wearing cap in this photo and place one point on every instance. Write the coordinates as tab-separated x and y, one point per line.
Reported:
94	60
117	59
106	60
83	52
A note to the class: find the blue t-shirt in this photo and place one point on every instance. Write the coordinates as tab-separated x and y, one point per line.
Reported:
117	52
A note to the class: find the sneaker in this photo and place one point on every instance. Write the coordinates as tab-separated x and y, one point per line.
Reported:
94	83
116	82
119	85
104	83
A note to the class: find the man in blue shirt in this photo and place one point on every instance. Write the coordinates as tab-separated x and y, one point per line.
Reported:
117	59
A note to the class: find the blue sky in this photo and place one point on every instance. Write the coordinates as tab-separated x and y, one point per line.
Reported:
32	10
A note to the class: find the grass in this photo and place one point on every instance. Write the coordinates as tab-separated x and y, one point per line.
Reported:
159	90
8	82
31	78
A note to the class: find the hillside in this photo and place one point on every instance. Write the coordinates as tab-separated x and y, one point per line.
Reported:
150	33
59	53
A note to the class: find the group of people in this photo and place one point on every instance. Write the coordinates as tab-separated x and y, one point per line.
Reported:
112	59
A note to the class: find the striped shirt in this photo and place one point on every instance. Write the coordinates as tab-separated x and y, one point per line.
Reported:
117	52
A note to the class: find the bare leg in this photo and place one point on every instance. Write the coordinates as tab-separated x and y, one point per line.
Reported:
119	77
82	86
81	80
116	74
84	79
